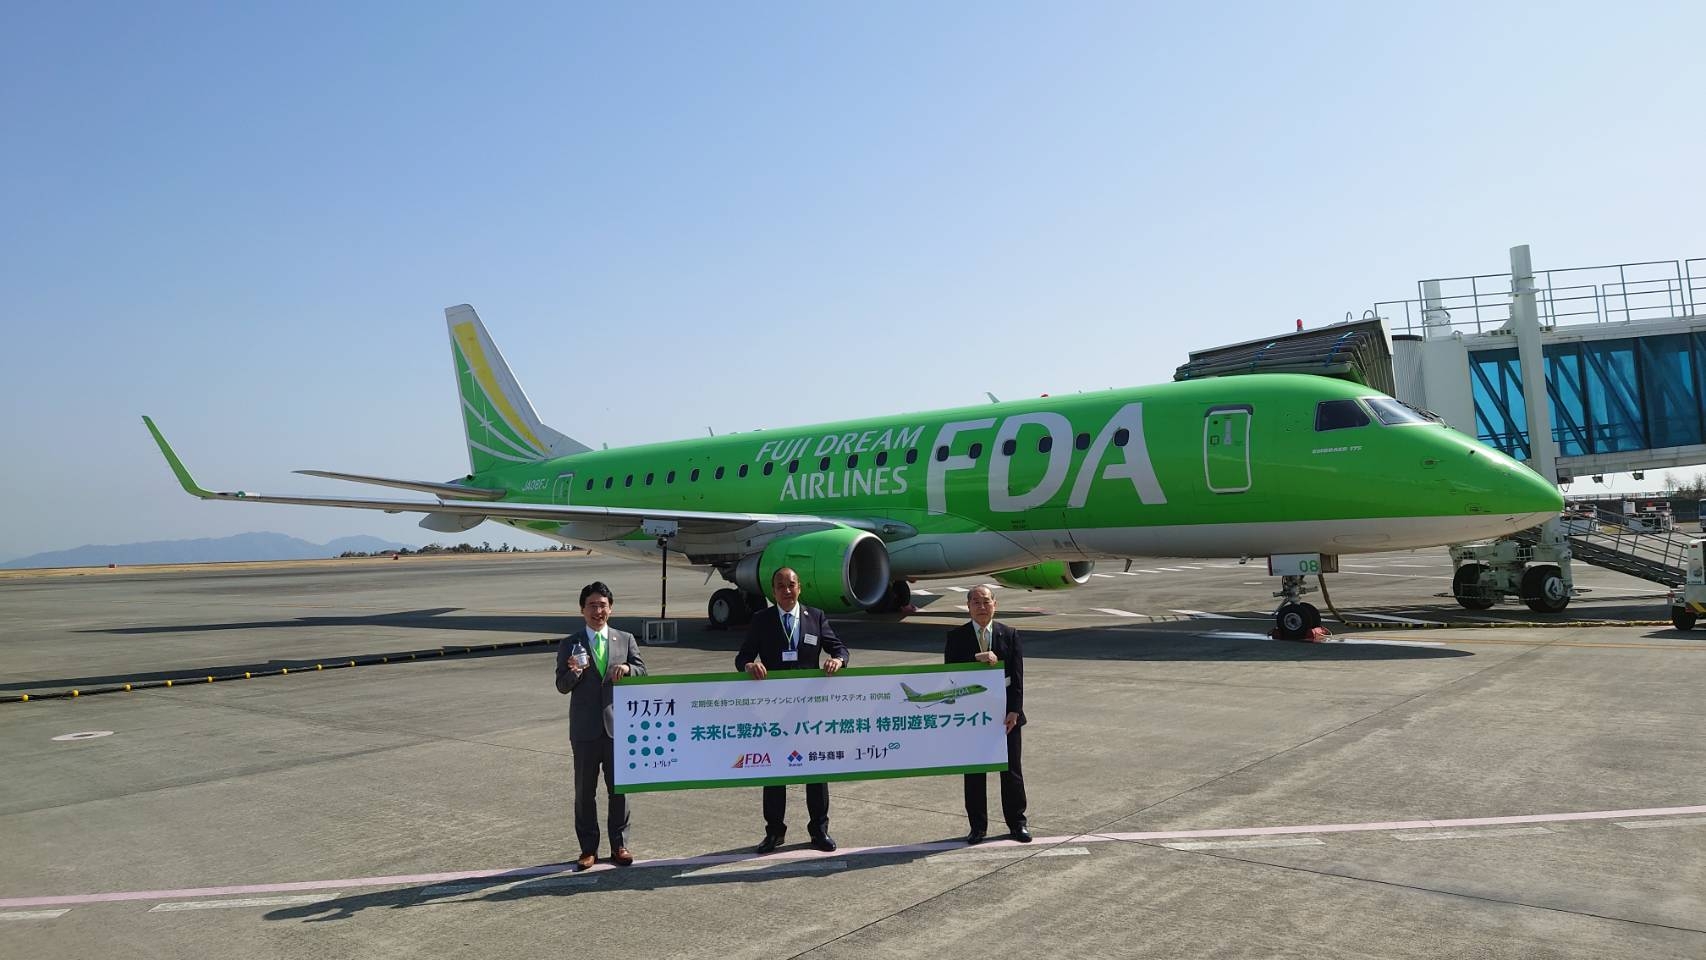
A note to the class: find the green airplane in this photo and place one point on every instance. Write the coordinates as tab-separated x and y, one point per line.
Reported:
941	696
1030	493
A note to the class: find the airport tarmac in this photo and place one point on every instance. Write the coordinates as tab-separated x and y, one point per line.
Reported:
1507	790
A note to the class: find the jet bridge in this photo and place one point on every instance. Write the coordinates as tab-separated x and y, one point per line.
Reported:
1577	372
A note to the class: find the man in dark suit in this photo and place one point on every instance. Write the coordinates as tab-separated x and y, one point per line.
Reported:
589	662
791	636
985	641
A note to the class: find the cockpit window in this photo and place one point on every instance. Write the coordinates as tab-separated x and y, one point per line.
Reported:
1394	411
1339	414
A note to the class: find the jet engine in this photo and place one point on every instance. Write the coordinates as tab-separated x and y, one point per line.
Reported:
841	569
1050	575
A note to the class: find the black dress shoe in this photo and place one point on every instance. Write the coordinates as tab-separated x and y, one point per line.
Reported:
771	842
826	843
974	838
1021	834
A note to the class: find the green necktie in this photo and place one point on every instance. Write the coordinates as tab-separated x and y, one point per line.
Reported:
598	652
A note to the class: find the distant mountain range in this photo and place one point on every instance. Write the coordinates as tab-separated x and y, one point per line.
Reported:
243	546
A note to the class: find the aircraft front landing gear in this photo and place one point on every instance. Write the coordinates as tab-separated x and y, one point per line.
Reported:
1294	620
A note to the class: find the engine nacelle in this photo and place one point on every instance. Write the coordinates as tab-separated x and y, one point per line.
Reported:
1050	575
840	569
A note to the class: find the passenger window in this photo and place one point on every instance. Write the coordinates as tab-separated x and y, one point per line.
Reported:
670	478
608	481
1008	447
694	476
852	461
649	478
793	466
719	474
1045	443
883	458
589	483
1082	442
1122	436
769	468
942	454
823	464
628	482
743	471
1339	415
912	455
976	450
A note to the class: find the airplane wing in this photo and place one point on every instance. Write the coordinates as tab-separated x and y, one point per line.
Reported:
690	522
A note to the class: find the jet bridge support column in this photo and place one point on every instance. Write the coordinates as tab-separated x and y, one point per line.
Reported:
1539	572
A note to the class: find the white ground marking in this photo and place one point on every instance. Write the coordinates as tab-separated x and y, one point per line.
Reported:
1241	844
1110	611
960	589
1474	834
34	914
1418	566
1146	570
1128	573
1655	824
1203	615
452	889
1389	643
760	867
922	593
1235	635
1176	569
236	902
1386	619
1104	576
1007	853
1406	576
85	735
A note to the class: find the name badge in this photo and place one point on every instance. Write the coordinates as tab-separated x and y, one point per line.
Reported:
790	656
811	640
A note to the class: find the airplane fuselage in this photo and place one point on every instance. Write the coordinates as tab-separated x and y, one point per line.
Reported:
1231	466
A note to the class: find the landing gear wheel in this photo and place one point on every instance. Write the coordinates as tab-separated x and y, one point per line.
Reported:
755	602
1543	589
1466	587
897	596
1682	618
726	609
1295	621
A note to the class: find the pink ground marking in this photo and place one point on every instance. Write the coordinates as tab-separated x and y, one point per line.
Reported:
523	873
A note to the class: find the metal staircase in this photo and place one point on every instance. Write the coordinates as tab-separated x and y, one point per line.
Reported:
1624	544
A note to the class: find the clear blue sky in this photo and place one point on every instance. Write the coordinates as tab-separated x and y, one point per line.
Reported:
246	221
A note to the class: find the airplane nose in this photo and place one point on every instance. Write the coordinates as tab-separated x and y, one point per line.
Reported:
1499	485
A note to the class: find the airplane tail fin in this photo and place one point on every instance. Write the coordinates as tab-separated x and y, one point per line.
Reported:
911	694
501	426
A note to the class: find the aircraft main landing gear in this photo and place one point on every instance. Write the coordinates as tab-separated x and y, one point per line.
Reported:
732	608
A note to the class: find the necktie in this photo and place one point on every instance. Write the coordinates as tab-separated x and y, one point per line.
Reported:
598	651
983	639
788	628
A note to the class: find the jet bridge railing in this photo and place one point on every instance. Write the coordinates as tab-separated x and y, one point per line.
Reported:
1613	293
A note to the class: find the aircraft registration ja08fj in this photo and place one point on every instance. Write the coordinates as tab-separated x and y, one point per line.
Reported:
1031	493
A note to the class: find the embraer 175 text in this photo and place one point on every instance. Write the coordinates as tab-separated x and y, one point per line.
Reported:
1030	492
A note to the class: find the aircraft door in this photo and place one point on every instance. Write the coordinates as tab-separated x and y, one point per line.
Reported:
1226	448
560	490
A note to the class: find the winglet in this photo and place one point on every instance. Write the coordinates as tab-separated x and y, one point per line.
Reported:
177	465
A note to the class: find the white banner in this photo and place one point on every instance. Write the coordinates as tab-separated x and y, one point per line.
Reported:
801	726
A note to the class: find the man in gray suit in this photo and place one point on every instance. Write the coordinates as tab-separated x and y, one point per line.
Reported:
589	662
